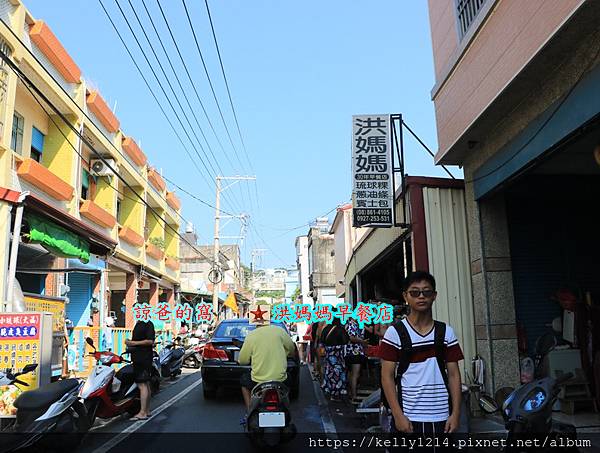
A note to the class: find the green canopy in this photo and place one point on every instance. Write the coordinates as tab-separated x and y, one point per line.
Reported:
56	239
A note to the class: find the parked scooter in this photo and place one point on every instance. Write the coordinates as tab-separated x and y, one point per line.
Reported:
193	353
50	409
528	410
171	359
107	393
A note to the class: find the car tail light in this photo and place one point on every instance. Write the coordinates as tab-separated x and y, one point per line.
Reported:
210	352
271	399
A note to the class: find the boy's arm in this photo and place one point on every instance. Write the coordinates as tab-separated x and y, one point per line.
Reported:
388	383
454	388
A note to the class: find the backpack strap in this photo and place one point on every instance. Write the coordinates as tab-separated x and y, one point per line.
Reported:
440	348
439	342
406	347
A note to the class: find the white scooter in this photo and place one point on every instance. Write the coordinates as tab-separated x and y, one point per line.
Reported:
106	392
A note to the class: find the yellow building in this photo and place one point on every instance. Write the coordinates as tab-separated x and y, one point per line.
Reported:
60	145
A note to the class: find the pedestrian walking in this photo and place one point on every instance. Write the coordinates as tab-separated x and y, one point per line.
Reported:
355	355
335	379
141	344
426	352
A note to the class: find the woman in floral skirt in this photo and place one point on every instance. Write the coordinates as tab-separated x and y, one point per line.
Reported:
335	379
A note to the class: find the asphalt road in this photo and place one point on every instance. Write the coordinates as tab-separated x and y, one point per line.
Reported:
184	421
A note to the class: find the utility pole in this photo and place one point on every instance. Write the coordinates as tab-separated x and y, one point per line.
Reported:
216	270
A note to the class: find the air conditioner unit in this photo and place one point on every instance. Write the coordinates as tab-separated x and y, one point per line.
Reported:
100	168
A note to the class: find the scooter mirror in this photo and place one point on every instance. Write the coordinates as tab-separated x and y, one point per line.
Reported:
89	341
488	404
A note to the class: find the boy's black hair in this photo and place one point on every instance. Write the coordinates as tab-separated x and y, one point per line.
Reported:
419	276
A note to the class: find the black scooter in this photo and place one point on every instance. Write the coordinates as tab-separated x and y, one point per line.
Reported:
49	409
528	411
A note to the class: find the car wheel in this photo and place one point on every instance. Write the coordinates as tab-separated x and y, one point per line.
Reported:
209	391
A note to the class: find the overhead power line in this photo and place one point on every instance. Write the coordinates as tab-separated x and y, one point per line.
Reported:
157	33
212	88
185	67
227	84
162	89
235	117
187	13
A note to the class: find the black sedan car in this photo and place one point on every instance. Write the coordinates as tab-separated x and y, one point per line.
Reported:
219	358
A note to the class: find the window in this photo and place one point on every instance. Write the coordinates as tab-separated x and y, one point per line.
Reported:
466	12
85	184
16	139
119	211
37	144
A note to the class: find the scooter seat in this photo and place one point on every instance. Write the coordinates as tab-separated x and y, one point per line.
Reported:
45	395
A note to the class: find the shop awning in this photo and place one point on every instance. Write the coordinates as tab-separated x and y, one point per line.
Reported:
57	240
98	243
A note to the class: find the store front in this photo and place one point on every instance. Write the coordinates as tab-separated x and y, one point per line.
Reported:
554	248
54	247
436	241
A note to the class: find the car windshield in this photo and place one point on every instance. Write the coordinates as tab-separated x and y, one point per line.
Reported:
238	330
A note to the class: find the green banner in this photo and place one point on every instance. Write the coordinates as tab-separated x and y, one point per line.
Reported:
56	239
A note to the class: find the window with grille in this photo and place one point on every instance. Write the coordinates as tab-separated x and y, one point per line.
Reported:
466	12
16	138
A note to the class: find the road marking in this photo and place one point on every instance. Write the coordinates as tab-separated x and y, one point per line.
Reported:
326	421
137	425
164	384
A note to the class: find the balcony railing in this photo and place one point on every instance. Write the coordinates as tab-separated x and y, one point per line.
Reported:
466	12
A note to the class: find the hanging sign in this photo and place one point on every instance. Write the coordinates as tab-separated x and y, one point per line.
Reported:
372	171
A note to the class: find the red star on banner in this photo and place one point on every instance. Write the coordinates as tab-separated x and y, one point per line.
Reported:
258	314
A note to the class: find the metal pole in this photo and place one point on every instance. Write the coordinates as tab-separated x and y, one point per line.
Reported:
215	298
14	250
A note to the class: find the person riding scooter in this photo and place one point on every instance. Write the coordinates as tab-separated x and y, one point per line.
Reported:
266	349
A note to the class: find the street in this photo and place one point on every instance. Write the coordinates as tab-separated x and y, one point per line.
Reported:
180	408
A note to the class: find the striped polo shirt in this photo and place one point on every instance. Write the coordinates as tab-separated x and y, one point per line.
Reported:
424	394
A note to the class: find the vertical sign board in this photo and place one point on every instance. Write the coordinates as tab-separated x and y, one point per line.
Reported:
372	172
25	338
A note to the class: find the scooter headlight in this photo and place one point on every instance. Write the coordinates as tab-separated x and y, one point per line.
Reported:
534	400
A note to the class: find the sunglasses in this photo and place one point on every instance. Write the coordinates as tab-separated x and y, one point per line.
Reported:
418	292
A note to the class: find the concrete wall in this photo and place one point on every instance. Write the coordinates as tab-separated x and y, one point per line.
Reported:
468	80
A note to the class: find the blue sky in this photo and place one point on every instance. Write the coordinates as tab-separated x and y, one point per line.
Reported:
297	71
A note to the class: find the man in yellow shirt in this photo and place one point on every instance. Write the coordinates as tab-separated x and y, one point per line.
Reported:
266	349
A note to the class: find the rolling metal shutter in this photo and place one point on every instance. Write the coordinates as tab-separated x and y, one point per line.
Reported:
80	294
539	266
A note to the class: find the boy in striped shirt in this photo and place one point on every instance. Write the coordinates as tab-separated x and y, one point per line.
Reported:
425	398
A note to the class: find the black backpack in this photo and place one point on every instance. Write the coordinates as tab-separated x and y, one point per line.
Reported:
406	345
